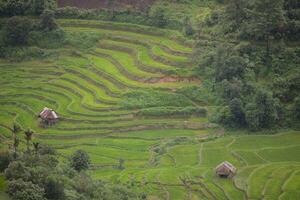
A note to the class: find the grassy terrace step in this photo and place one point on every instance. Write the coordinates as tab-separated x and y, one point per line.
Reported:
156	48
291	186
98	94
154	55
171	45
104	64
30	120
140	124
85	71
257	180
88	96
105	132
125	64
32	110
37	104
273	186
130	121
142	56
72	112
159	36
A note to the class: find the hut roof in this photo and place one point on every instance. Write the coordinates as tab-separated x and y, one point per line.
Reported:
225	167
48	113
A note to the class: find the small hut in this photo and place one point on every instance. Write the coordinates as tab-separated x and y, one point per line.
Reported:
48	116
225	169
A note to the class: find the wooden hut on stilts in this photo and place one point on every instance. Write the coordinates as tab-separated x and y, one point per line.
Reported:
48	117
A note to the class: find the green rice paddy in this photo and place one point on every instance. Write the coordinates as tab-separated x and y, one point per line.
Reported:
86	90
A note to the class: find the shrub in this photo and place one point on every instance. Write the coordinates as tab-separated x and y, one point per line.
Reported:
4	160
157	14
54	188
21	190
47	21
17	170
80	160
17	30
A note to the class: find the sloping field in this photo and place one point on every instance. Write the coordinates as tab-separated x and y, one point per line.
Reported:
168	156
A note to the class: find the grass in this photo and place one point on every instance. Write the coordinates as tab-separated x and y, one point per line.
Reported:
3	196
89	85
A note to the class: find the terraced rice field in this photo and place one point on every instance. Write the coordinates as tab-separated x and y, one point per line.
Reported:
168	157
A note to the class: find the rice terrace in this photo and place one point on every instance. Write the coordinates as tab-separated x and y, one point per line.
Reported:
161	107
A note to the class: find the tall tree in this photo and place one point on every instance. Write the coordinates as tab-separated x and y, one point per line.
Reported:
15	130
28	136
267	19
235	10
36	146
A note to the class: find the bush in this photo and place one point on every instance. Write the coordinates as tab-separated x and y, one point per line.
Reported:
157	14
17	170
80	160
17	30
82	40
47	39
21	190
54	188
47	21
4	160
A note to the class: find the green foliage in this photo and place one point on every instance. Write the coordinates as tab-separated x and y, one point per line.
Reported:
25	7
155	17
17	170
296	109
38	7
252	117
233	67
158	16
47	21
17	30
21	190
237	110
15	7
80	160
173	111
82	40
47	39
187	27
266	19
54	188
235	10
153	98
22	38
4	160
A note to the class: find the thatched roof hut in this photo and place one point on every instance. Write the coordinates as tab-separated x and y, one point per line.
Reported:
48	116
225	169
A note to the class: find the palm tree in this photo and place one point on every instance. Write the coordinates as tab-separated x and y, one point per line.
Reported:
28	137
15	130
15	146
36	146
